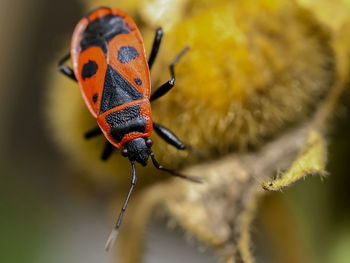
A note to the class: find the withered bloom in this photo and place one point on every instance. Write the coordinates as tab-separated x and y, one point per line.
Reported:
255	93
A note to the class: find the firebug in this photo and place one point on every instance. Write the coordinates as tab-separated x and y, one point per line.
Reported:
110	66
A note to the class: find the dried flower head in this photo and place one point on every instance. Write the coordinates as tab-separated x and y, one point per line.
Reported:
255	93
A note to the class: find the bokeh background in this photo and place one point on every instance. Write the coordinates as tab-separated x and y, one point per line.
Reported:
47	214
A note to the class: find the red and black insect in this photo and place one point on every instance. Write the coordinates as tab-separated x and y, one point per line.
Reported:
109	63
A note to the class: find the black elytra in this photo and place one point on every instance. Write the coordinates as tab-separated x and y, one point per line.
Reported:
102	30
138	81
127	54
117	91
95	97
126	121
89	69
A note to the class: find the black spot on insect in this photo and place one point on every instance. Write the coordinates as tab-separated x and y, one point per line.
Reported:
89	69
95	97
126	121
138	81
102	30
126	54
117	90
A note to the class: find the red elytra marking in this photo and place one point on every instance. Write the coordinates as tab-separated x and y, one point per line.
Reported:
75	44
94	84
99	13
136	68
127	19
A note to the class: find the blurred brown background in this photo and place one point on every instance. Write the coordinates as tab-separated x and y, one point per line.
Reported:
43	220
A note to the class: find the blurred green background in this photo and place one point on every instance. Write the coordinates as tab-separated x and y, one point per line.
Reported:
44	218
41	219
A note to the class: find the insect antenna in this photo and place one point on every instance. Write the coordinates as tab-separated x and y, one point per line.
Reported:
172	172
115	230
176	59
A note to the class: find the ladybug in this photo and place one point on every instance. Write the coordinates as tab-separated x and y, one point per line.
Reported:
110	66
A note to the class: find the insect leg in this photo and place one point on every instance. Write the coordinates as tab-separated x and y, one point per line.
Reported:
172	139
169	84
114	232
65	69
107	151
155	47
168	136
93	133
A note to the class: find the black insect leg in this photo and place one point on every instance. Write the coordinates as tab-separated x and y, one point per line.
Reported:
155	47
169	84
114	232
163	89
107	151
172	139
168	136
65	69
93	133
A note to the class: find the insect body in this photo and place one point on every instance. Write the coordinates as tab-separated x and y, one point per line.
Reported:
109	63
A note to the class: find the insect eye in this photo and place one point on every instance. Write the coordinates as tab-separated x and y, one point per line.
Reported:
149	143
125	152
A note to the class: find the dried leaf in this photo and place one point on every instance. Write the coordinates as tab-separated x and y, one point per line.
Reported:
311	160
217	212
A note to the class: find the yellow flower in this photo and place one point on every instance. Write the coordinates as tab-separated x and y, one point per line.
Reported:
255	93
